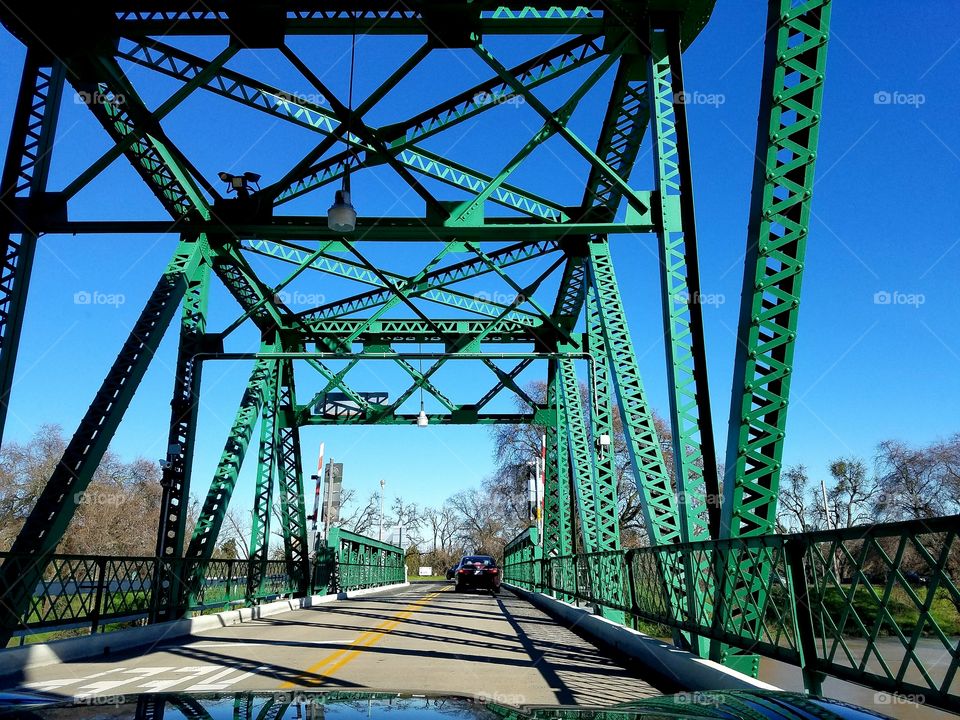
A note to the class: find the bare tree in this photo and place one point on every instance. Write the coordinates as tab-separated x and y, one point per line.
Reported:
853	493
359	517
911	483
483	526
101	525
796	509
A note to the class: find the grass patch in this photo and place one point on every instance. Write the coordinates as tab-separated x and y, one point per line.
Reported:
900	608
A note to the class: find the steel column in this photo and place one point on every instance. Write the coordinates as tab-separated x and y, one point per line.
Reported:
790	107
176	472
263	494
293	513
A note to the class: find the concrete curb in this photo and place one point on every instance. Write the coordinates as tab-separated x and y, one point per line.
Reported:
14	661
675	669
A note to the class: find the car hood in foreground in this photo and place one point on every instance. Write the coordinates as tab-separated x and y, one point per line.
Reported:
725	705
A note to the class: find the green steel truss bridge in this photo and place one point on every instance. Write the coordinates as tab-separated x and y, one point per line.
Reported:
714	570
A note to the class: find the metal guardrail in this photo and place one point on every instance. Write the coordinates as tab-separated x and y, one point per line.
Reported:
89	594
877	605
364	563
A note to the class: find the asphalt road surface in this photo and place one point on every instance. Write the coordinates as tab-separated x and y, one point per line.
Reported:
421	639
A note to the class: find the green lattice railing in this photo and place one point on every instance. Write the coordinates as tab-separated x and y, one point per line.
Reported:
80	594
877	605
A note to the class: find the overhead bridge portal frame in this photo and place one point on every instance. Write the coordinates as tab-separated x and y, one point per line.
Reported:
562	303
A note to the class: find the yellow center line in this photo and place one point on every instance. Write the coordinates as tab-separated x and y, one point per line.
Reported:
371	637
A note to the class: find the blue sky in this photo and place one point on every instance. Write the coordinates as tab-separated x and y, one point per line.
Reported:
886	220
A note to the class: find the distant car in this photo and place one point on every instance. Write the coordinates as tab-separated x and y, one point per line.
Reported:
916	578
451	572
477	572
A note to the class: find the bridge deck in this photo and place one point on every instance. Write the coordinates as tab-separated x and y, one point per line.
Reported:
424	638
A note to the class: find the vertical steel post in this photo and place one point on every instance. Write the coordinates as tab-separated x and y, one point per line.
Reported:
790	106
177	469
263	495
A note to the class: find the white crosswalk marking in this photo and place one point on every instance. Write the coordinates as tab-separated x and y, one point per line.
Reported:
63	682
209	684
190	673
102	687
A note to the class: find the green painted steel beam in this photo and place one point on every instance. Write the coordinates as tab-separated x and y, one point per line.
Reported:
601	424
181	440
557	528
791	106
384	229
656	489
322	17
779	220
346	268
694	452
440	278
414	330
263	492
558	125
293	513
581	456
690	417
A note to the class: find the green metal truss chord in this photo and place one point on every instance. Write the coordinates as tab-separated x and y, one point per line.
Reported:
352	270
601	424
626	120
178	465
502	258
790	110
557	531
606	572
656	489
293	515
584	478
263	492
694	453
24	181
58	501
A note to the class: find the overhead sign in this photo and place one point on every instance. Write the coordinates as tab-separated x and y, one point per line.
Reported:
338	404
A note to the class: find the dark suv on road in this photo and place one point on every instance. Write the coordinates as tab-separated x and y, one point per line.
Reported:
477	572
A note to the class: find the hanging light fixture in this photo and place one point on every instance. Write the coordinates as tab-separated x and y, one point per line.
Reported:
422	419
342	217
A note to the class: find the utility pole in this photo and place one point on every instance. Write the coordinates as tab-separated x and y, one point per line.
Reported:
382	483
830	526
